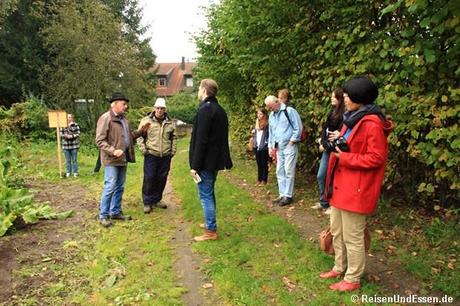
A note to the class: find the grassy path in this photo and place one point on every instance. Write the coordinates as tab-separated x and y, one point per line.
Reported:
261	258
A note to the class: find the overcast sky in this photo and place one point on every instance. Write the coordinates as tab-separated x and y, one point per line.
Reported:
172	23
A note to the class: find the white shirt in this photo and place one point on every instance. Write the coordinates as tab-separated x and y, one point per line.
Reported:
259	137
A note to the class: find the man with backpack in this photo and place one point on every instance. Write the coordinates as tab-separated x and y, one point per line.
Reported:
285	129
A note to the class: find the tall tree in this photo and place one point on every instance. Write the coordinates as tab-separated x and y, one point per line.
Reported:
129	12
91	58
21	49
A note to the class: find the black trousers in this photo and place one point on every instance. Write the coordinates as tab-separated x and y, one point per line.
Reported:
156	171
97	167
262	165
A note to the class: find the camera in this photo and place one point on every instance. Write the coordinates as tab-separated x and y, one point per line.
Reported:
339	142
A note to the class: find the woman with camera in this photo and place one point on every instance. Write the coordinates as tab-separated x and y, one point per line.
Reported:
333	123
354	179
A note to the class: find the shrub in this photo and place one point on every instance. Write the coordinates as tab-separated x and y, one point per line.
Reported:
27	119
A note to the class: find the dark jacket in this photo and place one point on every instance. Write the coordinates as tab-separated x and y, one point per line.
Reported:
209	148
330	125
110	137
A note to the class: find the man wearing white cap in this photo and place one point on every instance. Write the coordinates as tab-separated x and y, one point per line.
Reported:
158	146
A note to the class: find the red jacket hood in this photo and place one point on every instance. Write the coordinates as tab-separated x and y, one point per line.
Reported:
386	124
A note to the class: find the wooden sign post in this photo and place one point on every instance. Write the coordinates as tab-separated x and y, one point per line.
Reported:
58	119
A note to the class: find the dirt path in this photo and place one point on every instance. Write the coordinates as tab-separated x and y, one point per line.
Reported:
187	263
389	276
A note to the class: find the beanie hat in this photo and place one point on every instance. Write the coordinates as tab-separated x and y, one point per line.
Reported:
160	102
361	90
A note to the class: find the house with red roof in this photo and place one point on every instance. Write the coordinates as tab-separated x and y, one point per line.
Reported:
173	78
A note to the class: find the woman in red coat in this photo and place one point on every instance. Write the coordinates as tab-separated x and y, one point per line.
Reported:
355	175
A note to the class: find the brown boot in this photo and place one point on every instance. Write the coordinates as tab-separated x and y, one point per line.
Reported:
208	235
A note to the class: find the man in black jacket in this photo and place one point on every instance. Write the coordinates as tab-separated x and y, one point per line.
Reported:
209	152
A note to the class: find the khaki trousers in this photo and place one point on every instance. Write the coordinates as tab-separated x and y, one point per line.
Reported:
347	230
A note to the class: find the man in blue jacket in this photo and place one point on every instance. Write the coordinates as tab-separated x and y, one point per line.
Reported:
209	152
285	128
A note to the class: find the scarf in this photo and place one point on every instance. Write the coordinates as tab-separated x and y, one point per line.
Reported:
351	118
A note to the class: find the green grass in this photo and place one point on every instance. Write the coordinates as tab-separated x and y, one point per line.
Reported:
427	244
132	263
129	263
256	249
434	239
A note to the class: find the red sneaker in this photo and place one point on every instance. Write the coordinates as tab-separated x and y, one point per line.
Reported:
330	274
345	286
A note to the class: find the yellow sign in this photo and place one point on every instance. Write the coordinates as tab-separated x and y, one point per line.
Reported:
57	119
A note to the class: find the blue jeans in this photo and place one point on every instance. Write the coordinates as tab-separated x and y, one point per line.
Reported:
285	168
208	198
321	177
114	185
71	164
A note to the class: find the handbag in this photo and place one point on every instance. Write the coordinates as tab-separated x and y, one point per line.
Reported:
250	146
326	245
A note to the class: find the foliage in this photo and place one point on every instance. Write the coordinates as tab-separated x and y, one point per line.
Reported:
131	14
17	203
26	119
91	59
68	50
5	9
23	55
410	49
183	106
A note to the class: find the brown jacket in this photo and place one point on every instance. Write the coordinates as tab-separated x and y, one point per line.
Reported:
110	137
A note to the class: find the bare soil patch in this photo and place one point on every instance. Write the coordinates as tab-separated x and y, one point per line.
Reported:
42	242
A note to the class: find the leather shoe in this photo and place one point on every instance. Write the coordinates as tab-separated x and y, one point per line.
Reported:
121	217
208	235
105	223
277	200
161	205
343	285
285	201
330	274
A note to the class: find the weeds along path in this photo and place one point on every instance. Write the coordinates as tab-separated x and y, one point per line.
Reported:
392	278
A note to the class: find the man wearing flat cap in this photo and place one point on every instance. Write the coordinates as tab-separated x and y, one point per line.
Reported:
159	146
115	138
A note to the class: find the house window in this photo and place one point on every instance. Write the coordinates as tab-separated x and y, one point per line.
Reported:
189	82
162	82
